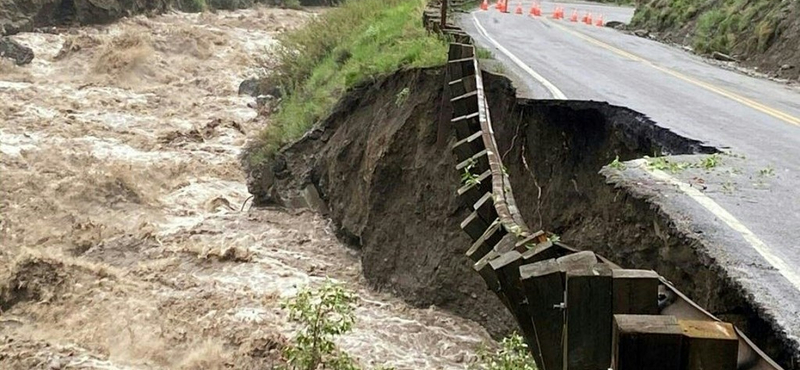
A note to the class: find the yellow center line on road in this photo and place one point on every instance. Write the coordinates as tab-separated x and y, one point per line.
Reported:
715	89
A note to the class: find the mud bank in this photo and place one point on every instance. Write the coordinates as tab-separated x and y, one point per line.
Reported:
389	187
379	167
557	154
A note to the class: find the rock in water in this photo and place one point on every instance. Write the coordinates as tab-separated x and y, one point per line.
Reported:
256	87
249	87
19	53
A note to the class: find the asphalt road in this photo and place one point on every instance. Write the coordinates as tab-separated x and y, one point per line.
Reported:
750	207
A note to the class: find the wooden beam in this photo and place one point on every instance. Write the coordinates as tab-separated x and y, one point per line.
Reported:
443	14
588	315
506	268
651	342
543	284
708	345
486	242
635	292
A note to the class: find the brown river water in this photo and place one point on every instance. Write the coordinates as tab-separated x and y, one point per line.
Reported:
124	242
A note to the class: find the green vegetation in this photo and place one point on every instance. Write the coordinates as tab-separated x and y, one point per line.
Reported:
662	163
710	162
194	5
513	354
768	171
348	45
469	178
322	314
726	26
292	4
483	53
617	165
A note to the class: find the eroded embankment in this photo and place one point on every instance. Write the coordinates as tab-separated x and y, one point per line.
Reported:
389	187
554	151
384	172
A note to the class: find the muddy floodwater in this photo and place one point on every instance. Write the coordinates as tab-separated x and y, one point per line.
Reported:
125	244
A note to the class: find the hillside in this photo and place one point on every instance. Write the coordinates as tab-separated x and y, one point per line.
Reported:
759	33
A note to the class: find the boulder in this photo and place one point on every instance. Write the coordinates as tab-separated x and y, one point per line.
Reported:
259	86
249	87
13	50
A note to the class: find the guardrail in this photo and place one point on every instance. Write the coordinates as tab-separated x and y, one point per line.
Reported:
576	310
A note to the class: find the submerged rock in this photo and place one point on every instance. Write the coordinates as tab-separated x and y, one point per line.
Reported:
11	49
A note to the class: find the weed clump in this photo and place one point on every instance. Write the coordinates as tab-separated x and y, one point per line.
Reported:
323	314
513	354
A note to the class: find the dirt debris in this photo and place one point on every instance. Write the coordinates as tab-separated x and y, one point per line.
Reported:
125	245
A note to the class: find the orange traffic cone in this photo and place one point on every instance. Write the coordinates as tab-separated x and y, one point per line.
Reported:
600	22
555	13
518	10
485	5
498	4
533	9
585	17
589	19
538	10
574	17
504	6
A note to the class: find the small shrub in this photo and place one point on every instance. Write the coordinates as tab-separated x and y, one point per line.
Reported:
513	354
323	314
710	162
483	53
194	5
292	4
469	178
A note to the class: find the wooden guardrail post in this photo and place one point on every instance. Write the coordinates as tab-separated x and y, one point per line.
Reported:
506	267
635	292
588	316
708	345
650	342
544	283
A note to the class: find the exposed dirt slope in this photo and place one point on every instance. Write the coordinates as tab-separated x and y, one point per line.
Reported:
387	181
390	187
554	150
762	33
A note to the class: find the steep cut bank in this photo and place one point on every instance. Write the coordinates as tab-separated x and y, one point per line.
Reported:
388	185
553	151
381	167
762	33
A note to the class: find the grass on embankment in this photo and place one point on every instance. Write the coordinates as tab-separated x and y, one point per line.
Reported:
729	26
347	45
